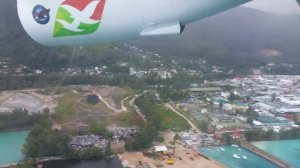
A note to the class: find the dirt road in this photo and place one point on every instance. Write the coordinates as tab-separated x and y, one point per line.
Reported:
123	108
136	108
194	127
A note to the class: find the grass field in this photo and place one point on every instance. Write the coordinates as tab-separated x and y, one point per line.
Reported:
125	119
167	119
73	111
171	120
65	108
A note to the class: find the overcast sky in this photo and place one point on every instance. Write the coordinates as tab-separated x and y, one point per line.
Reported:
279	6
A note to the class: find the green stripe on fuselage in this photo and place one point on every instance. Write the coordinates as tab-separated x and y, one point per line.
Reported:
86	29
61	31
63	14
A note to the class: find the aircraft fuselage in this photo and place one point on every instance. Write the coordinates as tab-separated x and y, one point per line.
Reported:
75	22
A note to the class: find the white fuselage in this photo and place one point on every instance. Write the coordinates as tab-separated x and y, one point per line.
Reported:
123	19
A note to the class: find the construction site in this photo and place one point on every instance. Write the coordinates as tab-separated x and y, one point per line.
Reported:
170	153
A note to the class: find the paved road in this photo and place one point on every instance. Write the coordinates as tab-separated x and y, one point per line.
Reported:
177	112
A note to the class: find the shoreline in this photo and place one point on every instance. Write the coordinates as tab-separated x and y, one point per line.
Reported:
265	155
41	161
5	165
8	165
251	148
213	160
275	140
15	130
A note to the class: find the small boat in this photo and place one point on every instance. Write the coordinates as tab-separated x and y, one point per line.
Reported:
236	156
244	157
222	149
235	146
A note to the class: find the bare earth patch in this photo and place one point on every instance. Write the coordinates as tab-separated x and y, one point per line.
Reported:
25	99
185	155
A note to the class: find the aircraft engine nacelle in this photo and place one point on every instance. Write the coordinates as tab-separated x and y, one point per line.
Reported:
83	22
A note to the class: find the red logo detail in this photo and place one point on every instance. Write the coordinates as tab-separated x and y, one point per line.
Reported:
82	4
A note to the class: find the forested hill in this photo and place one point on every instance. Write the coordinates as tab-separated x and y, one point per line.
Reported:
235	38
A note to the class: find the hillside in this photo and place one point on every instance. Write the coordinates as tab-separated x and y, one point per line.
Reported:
238	38
235	38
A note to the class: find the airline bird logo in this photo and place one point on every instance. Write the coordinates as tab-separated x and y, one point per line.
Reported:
78	17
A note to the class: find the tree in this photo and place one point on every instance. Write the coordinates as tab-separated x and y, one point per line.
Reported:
273	97
250	120
251	114
100	129
18	119
89	153
144	139
92	99
24	165
231	96
203	125
42	141
254	135
296	118
226	137
221	104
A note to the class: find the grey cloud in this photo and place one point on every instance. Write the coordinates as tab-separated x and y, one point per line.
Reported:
278	6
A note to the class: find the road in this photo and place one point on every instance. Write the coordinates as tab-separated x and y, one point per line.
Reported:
123	108
136	108
177	112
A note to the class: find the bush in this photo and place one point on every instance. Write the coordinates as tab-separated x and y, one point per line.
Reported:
92	99
100	129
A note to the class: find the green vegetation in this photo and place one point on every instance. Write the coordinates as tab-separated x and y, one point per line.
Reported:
144	139
226	137
171	94
160	139
54	80
203	125
232	96
66	105
158	119
89	153
126	119
18	119
166	118
22	165
121	94
99	129
260	135
251	115
92	99
42	141
233	48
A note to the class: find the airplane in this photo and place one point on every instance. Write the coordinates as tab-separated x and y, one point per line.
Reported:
87	22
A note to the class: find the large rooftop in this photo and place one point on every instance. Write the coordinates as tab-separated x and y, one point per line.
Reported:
266	119
206	89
